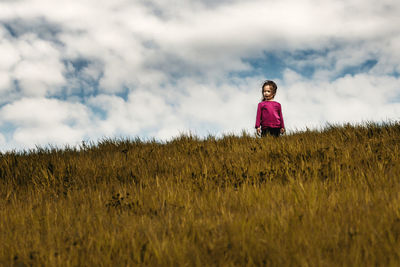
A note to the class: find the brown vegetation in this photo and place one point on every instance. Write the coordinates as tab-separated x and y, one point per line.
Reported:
319	198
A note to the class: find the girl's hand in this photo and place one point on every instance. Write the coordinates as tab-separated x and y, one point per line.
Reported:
283	130
259	130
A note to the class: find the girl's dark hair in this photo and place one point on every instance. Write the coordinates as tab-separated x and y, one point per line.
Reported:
272	84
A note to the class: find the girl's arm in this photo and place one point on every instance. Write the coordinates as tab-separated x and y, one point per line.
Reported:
258	117
282	122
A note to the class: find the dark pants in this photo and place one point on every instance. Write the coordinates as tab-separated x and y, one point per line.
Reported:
271	131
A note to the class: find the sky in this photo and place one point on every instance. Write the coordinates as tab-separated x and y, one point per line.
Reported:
74	71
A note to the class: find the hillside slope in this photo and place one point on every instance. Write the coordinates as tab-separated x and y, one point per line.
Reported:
329	197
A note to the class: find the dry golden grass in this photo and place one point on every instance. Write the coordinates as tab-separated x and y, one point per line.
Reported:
315	198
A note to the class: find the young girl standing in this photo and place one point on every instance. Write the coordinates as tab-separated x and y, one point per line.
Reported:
269	118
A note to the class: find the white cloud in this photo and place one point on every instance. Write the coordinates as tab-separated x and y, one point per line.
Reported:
10	56
358	98
34	63
3	142
5	81
142	113
44	121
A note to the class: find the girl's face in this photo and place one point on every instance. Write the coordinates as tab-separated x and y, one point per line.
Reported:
268	93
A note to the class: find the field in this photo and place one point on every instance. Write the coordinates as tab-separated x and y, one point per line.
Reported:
314	198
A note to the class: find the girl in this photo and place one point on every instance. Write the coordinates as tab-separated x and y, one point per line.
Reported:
269	118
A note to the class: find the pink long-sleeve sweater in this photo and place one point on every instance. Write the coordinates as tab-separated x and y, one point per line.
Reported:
269	114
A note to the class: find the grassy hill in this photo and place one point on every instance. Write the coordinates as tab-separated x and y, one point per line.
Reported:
320	198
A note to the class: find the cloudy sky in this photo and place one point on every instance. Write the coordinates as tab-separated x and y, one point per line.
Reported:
82	70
